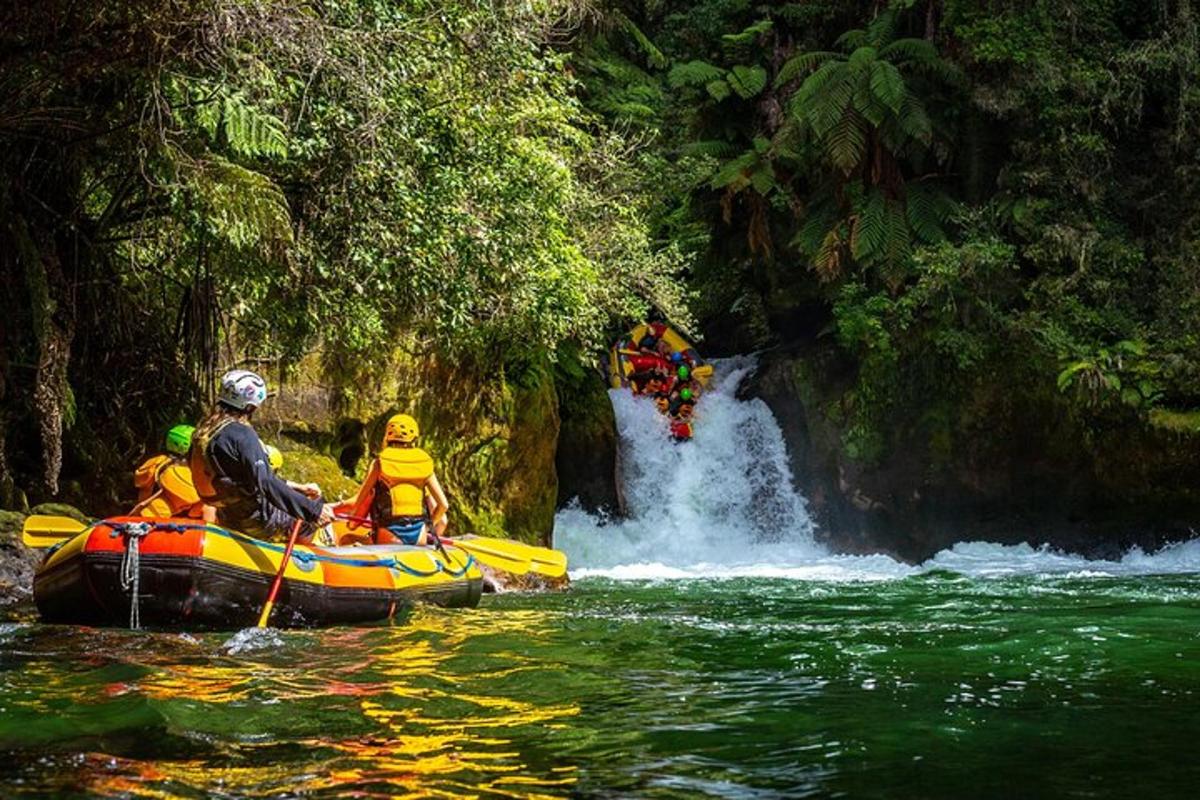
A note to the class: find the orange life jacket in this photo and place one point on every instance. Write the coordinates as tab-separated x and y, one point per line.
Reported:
203	473
165	489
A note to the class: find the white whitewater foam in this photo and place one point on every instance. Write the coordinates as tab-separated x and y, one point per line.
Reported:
724	499
724	506
249	640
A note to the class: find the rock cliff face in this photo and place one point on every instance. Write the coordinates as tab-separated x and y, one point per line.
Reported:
586	459
492	436
1004	470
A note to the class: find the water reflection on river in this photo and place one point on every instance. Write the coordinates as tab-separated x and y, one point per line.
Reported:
935	685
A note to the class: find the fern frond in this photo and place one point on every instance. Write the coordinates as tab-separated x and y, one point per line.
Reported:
747	81
249	131
748	36
694	73
909	50
718	89
913	119
762	179
798	65
870	229
241	206
829	107
654	56
828	261
882	28
851	40
847	142
887	85
734	174
862	58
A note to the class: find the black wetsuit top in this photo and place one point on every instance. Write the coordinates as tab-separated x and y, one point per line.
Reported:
253	497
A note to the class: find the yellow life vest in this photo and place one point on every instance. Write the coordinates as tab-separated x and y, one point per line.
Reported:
403	472
165	489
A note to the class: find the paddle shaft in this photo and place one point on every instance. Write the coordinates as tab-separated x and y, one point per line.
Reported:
287	556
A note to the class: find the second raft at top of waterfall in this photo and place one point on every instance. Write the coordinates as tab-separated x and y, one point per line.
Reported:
655	360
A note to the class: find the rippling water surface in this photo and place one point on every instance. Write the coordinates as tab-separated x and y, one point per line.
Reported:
932	685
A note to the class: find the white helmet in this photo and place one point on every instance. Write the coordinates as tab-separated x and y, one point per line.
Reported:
242	389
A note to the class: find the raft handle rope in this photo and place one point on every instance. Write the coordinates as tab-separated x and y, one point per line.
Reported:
131	564
393	563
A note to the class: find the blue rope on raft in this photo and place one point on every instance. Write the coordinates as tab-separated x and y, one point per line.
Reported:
119	529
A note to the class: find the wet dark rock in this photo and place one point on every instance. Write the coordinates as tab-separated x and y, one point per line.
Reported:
1018	469
586	456
17	562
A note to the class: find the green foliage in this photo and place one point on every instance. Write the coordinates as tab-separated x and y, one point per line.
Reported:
256	180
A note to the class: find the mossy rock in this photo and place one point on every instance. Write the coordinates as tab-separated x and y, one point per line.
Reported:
305	464
59	510
11	523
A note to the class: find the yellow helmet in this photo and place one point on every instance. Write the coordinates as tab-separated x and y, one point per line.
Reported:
274	457
402	429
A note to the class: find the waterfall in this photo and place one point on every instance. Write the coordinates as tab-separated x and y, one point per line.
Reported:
726	498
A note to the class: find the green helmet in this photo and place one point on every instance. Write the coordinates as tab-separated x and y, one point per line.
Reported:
684	373
179	439
685	394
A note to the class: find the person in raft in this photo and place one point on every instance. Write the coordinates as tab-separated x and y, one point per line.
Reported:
232	471
164	482
394	492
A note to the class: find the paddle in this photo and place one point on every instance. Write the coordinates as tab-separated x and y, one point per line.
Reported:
543	560
287	556
43	530
498	553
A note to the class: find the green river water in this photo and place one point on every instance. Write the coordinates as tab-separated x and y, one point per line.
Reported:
934	684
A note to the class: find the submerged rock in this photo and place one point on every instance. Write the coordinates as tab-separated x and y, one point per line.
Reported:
498	581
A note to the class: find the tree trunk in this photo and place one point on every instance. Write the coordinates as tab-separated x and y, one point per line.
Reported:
52	313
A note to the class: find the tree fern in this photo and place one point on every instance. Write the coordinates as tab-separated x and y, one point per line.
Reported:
744	43
887	85
718	90
870	228
250	131
734	173
847	141
694	73
801	64
747	81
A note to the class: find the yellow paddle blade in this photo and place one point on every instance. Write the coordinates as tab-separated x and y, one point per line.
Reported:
498	557
551	563
542	560
44	530
703	372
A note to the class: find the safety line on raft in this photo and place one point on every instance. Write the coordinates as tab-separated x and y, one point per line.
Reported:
118	528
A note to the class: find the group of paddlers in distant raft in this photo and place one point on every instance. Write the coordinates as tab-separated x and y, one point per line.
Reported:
659	370
222	472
